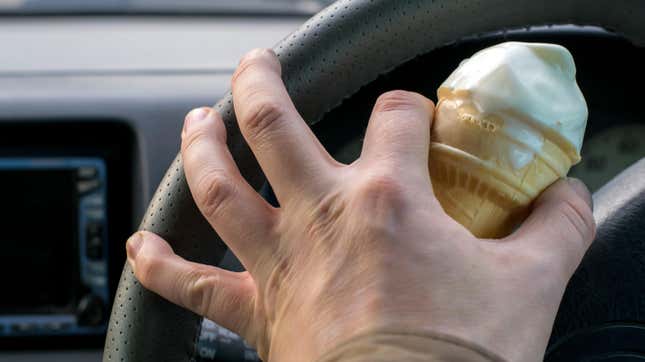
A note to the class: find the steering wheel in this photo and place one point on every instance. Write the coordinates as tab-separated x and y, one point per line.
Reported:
347	46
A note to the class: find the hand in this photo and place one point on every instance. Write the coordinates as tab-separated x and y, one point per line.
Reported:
356	248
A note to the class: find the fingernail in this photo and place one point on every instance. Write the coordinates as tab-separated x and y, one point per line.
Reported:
194	116
262	56
258	53
133	245
269	52
581	189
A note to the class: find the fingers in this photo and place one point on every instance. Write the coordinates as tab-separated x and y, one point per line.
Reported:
288	151
399	131
561	223
223	296
239	215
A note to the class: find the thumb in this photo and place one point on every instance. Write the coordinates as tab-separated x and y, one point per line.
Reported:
561	222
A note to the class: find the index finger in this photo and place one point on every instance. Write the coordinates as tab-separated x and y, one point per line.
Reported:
289	153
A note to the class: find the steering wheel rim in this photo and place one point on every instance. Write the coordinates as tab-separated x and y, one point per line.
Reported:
350	42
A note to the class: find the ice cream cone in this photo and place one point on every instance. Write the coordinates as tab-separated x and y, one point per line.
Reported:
509	122
474	169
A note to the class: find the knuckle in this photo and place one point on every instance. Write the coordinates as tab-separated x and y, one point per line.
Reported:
205	294
262	116
147	267
383	198
213	192
579	219
198	291
383	188
396	100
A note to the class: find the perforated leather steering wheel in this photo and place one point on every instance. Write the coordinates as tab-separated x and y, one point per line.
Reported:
348	45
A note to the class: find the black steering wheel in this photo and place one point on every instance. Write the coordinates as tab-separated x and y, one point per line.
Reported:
330	57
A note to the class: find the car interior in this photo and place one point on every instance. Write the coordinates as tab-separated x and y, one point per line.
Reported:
92	100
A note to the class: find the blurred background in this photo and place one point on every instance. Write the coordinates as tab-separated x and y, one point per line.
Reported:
92	98
276	7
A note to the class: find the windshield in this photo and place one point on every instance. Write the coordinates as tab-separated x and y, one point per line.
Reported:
162	6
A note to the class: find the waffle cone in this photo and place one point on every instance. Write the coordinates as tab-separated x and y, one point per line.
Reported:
480	188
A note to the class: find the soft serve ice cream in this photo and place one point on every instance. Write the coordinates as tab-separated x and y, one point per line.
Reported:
509	122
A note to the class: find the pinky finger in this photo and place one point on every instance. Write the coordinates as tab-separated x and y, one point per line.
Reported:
223	296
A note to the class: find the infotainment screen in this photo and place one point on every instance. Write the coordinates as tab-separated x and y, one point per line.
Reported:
53	246
38	259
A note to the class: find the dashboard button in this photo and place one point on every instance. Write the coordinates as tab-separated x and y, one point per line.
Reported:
94	240
94	228
88	172
86	186
94	248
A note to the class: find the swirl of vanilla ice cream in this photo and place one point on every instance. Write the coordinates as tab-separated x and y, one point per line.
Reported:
532	86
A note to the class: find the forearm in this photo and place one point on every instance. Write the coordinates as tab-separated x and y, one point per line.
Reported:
408	347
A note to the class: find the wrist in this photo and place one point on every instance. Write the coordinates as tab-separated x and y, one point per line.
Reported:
411	346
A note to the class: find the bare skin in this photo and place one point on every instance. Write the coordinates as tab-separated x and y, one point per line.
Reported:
360	247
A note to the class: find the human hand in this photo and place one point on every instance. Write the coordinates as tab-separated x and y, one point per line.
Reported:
358	248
